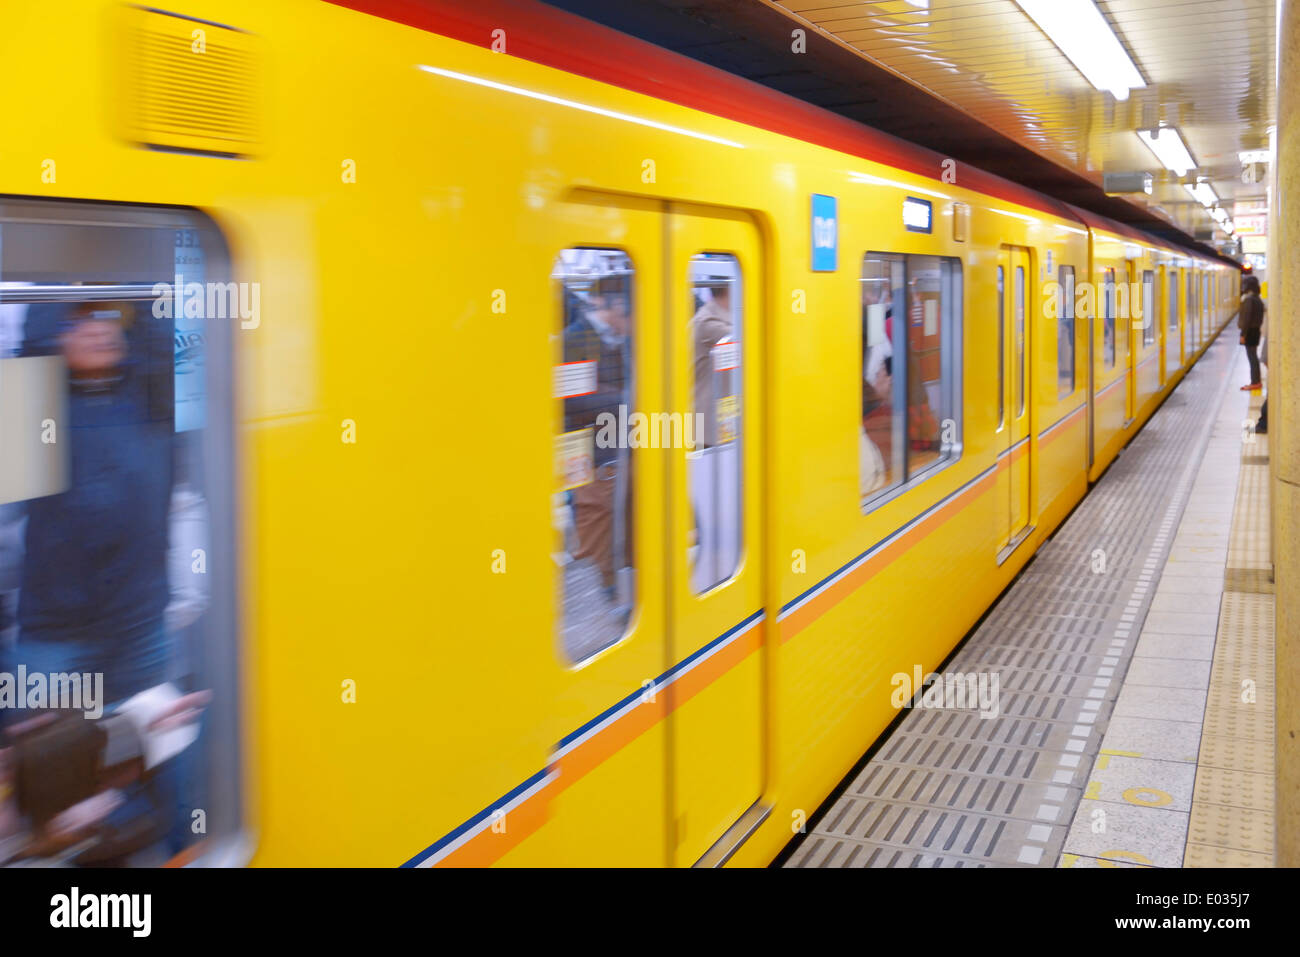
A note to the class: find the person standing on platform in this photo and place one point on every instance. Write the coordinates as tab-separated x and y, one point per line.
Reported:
1250	320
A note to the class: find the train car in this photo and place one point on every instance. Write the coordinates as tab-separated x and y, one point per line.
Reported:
1156	312
584	447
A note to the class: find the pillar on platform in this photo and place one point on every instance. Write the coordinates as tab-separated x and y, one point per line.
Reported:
1284	429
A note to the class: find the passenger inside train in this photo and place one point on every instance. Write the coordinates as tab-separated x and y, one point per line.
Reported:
907	379
713	465
594	504
103	586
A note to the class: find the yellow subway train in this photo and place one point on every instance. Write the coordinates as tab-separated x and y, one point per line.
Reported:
566	443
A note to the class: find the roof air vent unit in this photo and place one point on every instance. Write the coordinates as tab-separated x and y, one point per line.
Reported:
189	85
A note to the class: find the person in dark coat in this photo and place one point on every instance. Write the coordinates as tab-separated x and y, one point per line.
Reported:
94	583
94	573
1250	320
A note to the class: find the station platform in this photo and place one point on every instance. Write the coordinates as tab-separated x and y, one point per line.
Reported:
1134	657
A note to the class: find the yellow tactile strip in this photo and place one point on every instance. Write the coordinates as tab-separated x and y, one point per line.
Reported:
1232	804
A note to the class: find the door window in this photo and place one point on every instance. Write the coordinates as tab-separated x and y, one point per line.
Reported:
714	457
117	516
595	480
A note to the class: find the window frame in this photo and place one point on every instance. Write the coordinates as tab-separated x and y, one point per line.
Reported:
222	774
1020	318
951	327
1108	320
1067	304
1002	348
1148	307
631	392
738	441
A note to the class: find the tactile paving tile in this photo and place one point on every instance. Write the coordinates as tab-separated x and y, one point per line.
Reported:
1238	722
1249	580
1231	753
990	760
1234	788
955	790
823	852
1232	805
933	830
1242	829
1204	855
949	789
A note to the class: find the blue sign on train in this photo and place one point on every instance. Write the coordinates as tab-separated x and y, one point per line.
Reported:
825	233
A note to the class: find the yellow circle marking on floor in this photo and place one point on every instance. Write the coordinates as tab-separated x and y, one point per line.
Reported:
1155	798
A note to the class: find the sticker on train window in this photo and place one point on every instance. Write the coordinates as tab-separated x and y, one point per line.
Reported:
576	455
918	214
574	379
190	388
728	414
726	354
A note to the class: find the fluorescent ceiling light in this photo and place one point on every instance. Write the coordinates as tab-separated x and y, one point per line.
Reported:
1203	193
1080	32
1219	214
1169	148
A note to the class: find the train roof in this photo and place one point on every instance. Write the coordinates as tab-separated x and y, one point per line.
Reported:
567	42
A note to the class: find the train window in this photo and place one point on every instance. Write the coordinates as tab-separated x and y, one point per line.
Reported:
117	544
882	446
1065	334
1205	304
714	465
1122	308
1172	357
593	381
911	318
1108	320
1019	344
1002	345
1148	307
934	297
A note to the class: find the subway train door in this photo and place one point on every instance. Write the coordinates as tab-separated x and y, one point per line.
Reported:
609	805
1015	370
715	596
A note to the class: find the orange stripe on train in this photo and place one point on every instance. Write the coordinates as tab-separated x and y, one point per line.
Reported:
818	605
488	846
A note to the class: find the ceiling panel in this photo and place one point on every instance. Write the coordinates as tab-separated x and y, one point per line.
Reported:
1208	66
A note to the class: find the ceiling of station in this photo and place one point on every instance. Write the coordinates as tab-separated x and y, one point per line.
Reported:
1208	67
